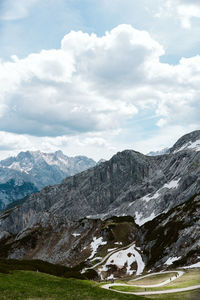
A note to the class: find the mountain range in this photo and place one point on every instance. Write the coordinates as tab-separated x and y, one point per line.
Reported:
143	209
31	171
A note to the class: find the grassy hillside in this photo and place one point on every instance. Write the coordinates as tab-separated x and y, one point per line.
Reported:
154	279
190	278
7	265
190	295
17	282
21	285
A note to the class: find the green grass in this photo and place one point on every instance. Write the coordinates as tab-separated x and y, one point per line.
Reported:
21	285
190	295
29	285
7	265
190	278
129	289
154	279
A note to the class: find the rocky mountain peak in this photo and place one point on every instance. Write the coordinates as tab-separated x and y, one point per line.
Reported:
59	153
38	168
101	161
190	141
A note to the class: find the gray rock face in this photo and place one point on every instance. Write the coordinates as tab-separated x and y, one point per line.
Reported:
190	141
39	169
131	183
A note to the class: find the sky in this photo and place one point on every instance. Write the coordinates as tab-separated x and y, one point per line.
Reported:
94	77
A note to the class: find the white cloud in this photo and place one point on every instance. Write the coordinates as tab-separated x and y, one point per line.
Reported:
90	144
80	88
75	97
163	138
187	12
185	9
10	141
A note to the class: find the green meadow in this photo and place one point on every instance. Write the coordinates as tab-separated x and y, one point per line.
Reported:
29	285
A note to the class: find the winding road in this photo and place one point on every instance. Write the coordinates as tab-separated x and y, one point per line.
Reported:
180	273
107	256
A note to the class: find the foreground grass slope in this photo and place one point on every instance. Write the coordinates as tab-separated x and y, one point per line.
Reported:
190	295
21	285
8	265
154	279
191	277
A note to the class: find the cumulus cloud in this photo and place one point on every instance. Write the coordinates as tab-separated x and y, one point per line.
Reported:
92	85
118	58
10	141
185	9
81	87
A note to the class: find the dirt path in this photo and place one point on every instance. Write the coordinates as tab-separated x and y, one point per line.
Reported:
190	288
107	256
180	273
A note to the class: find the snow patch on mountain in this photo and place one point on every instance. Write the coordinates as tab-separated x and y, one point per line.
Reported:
148	197
172	184
171	260
95	245
125	258
16	166
140	220
118	243
195	146
76	234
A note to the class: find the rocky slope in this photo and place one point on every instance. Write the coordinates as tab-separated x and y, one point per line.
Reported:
190	141
161	194
12	191
173	238
39	170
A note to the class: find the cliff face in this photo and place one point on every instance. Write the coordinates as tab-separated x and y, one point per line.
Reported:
156	191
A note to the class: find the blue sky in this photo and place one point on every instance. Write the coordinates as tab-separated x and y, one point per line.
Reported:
96	77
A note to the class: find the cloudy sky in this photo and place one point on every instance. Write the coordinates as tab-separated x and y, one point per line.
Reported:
93	77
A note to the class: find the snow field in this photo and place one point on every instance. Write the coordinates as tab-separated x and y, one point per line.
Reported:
125	258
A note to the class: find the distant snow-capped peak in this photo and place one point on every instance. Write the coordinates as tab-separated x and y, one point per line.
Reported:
43	169
159	152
